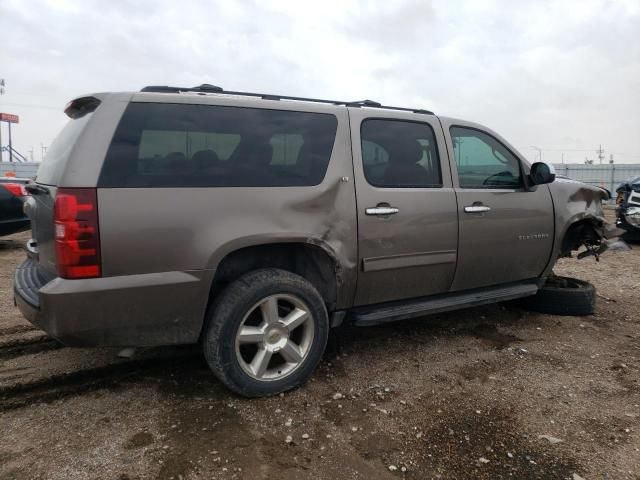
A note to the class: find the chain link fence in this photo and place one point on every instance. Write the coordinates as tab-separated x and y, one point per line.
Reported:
608	176
22	170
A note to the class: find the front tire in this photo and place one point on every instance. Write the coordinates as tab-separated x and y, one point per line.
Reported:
563	296
266	333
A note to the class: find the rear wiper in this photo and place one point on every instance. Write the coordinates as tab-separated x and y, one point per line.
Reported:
35	189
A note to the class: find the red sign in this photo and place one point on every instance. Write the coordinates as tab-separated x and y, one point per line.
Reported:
9	117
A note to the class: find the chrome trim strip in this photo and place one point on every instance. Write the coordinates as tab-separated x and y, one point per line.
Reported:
420	259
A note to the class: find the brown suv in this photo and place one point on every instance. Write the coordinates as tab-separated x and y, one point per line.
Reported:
253	223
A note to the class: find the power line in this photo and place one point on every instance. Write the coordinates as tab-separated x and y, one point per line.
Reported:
562	149
600	153
26	105
575	150
626	154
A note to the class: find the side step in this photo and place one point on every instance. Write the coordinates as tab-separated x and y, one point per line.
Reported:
402	310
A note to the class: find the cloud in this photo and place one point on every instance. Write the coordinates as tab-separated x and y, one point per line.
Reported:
557	74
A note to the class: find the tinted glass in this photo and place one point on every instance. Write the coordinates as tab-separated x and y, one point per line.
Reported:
176	145
397	153
483	162
52	165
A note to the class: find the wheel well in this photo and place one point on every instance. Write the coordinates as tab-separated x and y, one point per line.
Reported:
580	233
309	261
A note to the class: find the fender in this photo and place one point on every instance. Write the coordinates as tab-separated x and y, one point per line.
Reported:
345	268
576	203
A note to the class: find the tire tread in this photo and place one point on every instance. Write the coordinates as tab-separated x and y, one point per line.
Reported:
223	309
563	301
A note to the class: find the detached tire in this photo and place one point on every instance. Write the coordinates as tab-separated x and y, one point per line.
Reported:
563	296
265	333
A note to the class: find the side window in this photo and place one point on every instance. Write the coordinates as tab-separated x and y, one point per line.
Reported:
165	151
180	145
483	162
286	148
397	153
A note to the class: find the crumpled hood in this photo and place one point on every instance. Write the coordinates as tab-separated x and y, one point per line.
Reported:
580	188
629	184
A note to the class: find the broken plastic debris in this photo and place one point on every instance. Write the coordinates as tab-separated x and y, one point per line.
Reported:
552	440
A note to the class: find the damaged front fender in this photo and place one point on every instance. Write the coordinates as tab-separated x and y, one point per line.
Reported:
580	220
595	234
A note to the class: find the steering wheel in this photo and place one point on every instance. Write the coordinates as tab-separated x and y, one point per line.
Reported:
505	173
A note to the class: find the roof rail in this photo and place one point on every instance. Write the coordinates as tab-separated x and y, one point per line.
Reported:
364	103
206	88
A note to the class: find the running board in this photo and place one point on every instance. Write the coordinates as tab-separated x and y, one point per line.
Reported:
402	310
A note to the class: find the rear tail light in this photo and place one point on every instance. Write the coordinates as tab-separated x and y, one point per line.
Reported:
76	232
16	189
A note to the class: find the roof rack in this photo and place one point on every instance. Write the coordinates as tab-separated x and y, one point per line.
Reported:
206	88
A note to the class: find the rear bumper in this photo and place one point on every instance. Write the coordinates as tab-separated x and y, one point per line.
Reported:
135	310
28	279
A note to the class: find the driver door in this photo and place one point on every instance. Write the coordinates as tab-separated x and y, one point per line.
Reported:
505	230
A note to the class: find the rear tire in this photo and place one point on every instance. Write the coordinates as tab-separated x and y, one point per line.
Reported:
266	333
563	296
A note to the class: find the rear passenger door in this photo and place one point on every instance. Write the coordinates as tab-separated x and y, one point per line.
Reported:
407	214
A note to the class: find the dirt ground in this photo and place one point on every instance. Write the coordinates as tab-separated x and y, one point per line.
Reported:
491	393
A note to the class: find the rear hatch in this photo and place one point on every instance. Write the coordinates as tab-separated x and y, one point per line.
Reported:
40	206
39	209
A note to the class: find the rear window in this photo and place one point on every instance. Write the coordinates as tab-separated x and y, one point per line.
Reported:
52	166
177	145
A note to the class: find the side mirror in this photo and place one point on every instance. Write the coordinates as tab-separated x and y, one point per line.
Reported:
541	173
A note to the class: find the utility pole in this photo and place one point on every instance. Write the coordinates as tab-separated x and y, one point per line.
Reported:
539	152
43	150
600	153
612	184
31	154
10	144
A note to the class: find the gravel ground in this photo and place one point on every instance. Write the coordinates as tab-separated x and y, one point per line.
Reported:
492	392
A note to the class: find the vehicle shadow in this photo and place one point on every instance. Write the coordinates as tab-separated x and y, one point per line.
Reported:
479	322
11	244
183	369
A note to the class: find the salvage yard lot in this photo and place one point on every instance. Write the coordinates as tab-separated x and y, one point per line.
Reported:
490	392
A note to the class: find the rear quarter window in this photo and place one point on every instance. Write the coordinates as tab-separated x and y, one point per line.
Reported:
180	145
52	166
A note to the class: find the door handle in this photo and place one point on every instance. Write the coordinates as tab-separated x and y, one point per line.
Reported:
476	208
381	210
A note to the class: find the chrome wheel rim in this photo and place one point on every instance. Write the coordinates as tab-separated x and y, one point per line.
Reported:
274	337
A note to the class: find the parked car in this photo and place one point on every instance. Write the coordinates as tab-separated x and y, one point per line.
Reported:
253	223
12	196
628	207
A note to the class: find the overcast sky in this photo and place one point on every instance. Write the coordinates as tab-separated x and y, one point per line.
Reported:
563	76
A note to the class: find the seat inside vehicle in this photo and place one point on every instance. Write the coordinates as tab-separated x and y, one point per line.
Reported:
403	168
